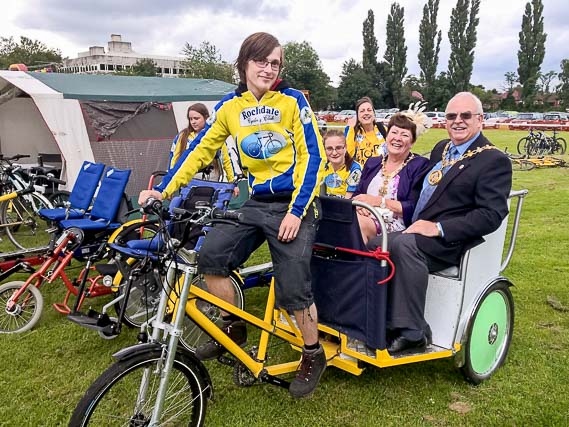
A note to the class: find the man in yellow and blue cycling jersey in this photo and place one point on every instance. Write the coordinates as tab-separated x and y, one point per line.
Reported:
280	148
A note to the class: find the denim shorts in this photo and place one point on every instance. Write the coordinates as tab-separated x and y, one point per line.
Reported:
228	246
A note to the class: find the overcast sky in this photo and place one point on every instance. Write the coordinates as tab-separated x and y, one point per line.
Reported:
333	27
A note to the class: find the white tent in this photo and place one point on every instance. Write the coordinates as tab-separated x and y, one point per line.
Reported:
48	113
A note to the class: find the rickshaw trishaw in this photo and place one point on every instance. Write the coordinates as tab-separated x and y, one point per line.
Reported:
469	308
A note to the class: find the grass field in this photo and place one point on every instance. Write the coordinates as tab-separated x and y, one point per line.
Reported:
45	371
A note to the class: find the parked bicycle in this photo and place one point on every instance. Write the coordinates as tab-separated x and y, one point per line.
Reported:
537	143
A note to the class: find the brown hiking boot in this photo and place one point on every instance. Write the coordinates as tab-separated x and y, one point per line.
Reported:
236	330
311	368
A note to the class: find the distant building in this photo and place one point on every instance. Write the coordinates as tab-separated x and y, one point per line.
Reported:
118	57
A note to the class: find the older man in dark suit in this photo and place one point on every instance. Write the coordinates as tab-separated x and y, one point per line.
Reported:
463	197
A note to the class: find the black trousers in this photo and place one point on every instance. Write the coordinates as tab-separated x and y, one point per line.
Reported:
408	289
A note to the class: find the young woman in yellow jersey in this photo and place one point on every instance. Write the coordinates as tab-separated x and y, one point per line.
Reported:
197	115
367	137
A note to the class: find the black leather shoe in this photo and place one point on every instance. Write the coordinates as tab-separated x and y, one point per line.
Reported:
403	345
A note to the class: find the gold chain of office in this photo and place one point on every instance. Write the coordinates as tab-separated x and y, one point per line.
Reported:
436	175
389	176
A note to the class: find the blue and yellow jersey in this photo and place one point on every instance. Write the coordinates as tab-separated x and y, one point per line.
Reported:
339	182
175	148
278	142
362	146
225	158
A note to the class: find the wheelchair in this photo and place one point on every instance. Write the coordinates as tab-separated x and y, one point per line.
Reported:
76	234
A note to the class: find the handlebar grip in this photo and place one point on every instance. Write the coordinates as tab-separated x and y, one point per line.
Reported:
231	215
152	205
56	180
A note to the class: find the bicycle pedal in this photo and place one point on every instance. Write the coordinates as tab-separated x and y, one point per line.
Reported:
52	230
228	361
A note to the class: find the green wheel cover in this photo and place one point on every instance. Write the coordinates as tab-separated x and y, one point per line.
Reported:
489	333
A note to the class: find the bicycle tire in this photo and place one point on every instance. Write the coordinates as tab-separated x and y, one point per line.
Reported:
522	145
561	144
145	292
113	399
22	223
192	335
143	298
25	314
59	199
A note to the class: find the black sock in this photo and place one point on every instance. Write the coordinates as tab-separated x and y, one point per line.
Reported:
312	347
229	318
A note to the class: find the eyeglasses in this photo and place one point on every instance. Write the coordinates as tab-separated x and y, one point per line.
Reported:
466	115
338	149
262	63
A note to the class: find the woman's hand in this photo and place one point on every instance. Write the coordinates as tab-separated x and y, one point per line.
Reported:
236	191
147	194
370	200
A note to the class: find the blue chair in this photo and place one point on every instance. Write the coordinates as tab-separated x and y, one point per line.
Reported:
105	209
81	196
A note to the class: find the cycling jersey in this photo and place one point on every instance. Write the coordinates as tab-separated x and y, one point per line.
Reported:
278	143
362	146
343	180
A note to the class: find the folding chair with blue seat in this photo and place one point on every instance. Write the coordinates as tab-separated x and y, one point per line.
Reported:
103	215
217	194
81	195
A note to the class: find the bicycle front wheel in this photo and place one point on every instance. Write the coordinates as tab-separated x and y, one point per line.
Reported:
522	145
22	222
126	393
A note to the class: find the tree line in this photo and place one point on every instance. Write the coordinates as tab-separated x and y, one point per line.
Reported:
385	80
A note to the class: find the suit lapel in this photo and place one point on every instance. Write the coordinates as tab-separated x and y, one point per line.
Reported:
454	171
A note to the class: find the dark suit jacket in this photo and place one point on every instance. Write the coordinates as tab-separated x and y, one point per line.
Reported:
470	201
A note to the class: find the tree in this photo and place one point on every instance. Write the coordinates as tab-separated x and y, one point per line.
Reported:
429	47
511	80
532	50
563	88
441	93
354	83
205	63
145	67
396	52
462	38
369	57
369	61
545	81
303	70
410	83
32	53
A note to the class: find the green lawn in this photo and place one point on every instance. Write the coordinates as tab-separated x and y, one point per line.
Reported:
46	371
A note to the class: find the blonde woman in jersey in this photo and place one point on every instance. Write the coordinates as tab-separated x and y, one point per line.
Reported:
280	147
342	172
367	137
197	115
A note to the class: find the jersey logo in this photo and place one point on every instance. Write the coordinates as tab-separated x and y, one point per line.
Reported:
263	144
305	115
259	115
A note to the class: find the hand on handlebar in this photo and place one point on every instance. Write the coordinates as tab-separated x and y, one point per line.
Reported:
148	194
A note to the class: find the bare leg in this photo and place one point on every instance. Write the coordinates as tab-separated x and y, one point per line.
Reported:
367	227
307	321
221	287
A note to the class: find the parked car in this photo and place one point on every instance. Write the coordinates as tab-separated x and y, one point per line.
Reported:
556	115
383	117
344	115
437	118
527	117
